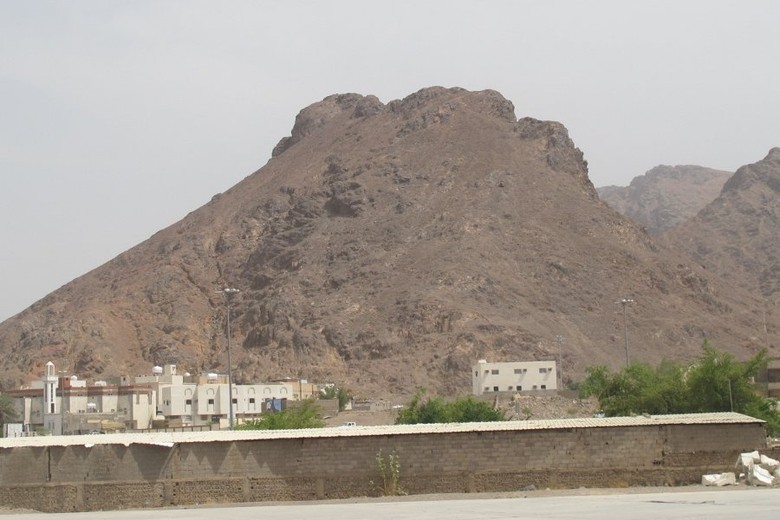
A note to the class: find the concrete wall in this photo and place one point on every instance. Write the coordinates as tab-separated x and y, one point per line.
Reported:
114	476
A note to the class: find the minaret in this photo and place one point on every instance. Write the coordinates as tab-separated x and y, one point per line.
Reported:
50	398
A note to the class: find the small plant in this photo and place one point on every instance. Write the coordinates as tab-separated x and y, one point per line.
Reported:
527	412
389	472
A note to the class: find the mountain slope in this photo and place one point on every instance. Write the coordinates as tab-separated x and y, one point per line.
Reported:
737	236
386	246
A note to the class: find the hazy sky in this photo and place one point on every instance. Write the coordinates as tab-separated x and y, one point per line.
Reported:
119	118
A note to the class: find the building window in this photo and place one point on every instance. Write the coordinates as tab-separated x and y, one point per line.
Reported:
543	370
495	389
510	387
494	372
487	389
235	401
519	388
251	400
534	388
544	387
188	402
487	372
518	371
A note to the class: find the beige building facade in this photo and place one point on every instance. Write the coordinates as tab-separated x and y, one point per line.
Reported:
513	376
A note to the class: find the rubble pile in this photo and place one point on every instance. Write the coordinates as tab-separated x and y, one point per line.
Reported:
553	406
752	467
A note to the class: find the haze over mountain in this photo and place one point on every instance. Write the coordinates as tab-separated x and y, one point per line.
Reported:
666	195
737	235
388	246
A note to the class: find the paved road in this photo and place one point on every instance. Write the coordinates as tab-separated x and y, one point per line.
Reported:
751	503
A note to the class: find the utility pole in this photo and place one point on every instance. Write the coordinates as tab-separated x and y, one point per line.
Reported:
559	340
62	400
624	302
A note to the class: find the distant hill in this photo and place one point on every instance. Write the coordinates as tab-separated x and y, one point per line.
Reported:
737	236
666	195
390	246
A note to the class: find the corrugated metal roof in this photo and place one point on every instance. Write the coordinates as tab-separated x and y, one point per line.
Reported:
168	439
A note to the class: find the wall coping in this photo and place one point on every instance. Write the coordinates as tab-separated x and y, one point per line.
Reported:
169	439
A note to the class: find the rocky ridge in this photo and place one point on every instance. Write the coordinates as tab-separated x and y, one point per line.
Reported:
737	235
665	196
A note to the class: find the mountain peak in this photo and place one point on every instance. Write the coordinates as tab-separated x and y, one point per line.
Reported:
764	173
385	247
736	235
665	196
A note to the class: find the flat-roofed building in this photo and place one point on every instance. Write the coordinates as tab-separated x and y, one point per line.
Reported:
67	405
513	376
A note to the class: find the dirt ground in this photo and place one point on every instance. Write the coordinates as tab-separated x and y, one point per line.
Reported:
363	418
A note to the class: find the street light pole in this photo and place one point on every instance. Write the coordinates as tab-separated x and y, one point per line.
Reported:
229	292
625	302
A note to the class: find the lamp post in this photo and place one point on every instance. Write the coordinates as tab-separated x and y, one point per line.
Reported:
624	302
229	292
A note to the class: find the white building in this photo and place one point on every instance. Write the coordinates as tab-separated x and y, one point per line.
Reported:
186	400
514	376
67	405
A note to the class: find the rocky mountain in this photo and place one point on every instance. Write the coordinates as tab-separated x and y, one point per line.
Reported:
388	246
666	195
737	236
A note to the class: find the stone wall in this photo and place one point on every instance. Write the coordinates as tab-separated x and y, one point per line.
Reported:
342	463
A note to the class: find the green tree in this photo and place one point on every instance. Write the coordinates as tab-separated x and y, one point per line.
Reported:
719	383
7	409
596	383
421	410
639	388
343	395
468	409
307	415
714	383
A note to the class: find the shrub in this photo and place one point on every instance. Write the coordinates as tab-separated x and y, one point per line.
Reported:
307	415
435	410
